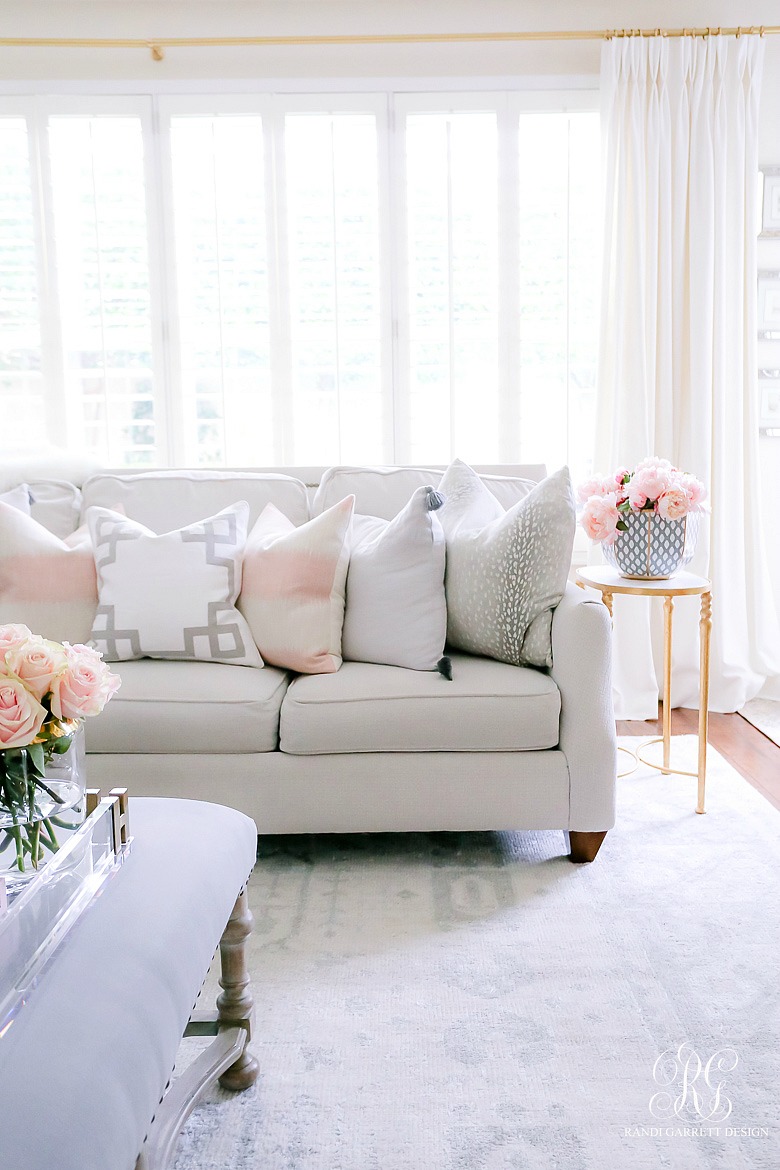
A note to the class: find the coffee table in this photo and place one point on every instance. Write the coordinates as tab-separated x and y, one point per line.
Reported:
86	1061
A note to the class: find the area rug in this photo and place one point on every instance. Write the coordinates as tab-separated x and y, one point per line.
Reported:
476	1002
765	715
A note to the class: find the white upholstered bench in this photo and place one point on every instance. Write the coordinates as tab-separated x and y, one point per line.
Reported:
86	1062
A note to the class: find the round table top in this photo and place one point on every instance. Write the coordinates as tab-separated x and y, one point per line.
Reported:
609	580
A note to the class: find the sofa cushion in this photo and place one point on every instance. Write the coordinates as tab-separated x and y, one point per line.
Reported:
293	588
163	500
384	491
45	584
396	612
171	596
505	574
190	708
487	707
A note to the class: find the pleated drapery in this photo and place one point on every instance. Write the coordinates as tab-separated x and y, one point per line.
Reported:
677	373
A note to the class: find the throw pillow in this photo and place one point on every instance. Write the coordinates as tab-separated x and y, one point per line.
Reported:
507	572
396	610
44	584
293	589
171	596
18	497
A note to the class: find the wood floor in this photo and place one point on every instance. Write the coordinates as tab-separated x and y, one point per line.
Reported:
746	748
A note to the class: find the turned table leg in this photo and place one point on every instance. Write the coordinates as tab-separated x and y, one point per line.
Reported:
235	1004
705	629
667	704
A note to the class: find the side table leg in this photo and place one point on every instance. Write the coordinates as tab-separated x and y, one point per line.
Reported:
606	597
667	712
705	629
235	1004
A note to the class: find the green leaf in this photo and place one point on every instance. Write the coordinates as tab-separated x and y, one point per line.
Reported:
621	526
36	758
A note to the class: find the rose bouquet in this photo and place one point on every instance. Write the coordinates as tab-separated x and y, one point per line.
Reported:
653	486
47	690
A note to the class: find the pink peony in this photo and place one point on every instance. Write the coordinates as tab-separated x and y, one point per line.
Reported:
36	662
85	685
600	516
620	475
636	497
597	485
21	715
652	462
695	491
12	636
673	504
651	481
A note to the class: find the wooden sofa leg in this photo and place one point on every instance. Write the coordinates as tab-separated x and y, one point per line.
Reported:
584	846
235	1004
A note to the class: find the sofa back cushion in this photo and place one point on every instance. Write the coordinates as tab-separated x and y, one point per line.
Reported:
384	491
165	500
44	584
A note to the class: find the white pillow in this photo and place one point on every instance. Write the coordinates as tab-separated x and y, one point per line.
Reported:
396	610
293	588
17	497
44	584
171	596
505	573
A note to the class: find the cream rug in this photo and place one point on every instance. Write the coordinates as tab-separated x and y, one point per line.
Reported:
765	715
476	1002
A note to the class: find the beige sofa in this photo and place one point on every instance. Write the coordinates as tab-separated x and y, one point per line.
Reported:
370	748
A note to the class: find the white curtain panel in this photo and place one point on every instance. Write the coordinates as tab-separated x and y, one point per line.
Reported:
678	352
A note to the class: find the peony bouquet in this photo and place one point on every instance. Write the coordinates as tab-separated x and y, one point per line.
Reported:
46	692
654	485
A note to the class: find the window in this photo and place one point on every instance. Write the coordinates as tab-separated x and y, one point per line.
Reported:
277	279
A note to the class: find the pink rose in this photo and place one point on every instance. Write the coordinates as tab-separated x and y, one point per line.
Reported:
85	685
600	516
21	715
673	504
651	481
12	636
36	662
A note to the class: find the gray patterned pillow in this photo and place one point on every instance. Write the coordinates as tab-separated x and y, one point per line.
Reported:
171	596
506	571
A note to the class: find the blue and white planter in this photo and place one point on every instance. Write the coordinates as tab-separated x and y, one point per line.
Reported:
652	549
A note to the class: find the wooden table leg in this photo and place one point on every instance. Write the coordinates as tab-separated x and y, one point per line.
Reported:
235	1005
705	629
667	710
606	597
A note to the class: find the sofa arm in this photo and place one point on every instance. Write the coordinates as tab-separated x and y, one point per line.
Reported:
582	670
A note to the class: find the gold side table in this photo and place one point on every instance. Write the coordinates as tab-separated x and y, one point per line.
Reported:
610	583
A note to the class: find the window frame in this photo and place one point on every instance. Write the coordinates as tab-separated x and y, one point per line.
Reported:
389	100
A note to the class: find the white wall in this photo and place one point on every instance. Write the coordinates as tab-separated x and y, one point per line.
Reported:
219	18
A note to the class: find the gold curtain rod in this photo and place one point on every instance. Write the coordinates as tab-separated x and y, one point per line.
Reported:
158	45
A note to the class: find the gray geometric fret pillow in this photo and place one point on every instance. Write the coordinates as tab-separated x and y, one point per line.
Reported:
506	571
173	595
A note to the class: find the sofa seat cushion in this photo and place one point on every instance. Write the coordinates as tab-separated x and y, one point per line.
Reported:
487	707
190	708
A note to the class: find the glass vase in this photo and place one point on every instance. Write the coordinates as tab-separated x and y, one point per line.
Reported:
38	811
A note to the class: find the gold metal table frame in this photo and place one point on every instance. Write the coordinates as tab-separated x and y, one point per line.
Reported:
610	584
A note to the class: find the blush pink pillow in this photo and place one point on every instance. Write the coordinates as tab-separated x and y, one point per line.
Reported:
44	583
293	585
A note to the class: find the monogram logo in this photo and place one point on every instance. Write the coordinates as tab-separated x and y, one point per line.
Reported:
691	1088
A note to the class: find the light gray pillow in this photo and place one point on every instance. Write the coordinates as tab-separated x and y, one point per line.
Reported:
506	571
